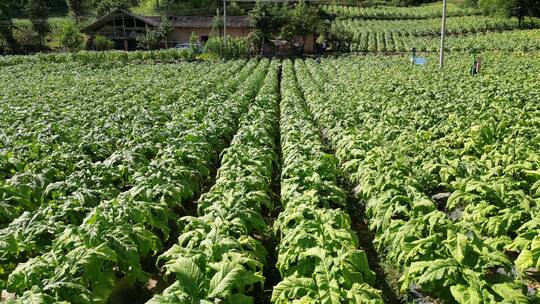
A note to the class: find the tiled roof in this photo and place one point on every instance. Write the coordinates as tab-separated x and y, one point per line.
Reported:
202	21
103	20
177	21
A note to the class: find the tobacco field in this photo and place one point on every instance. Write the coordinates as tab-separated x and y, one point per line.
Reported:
362	179
388	29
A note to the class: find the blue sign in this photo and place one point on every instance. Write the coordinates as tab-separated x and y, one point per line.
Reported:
419	60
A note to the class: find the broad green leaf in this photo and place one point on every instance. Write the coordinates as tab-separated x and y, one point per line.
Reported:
188	275
510	292
225	280
240	299
291	288
436	271
466	294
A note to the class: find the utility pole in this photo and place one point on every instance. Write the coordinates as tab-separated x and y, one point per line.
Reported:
443	34
225	22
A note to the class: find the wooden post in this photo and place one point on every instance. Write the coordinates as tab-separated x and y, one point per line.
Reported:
443	34
114	27
123	27
126	45
225	22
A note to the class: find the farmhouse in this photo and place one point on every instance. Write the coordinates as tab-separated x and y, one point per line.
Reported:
123	27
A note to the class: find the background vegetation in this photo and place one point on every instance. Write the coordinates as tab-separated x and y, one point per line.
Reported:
30	26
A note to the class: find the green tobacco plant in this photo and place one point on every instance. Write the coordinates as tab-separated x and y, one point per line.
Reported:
69	197
318	257
448	179
134	224
217	258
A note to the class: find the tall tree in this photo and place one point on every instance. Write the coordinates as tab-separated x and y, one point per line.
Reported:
58	7
267	21
102	7
8	9
79	9
271	21
193	7
511	8
304	21
524	8
38	13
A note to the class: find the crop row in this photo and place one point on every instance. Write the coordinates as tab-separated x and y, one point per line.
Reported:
218	256
65	198
53	145
390	41
108	58
391	12
114	170
84	262
318	257
449	177
432	27
94	180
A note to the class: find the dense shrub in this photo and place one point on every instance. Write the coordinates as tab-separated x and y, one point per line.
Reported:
101	43
234	49
71	38
154	38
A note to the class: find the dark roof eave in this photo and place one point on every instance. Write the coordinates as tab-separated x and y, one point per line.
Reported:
188	22
101	21
210	27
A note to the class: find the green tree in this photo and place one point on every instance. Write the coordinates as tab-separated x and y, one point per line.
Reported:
338	38
217	23
38	13
511	8
165	27
8	8
71	38
79	9
304	20
271	21
152	38
267	21
102	7
149	40
524	8
35	10
194	43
